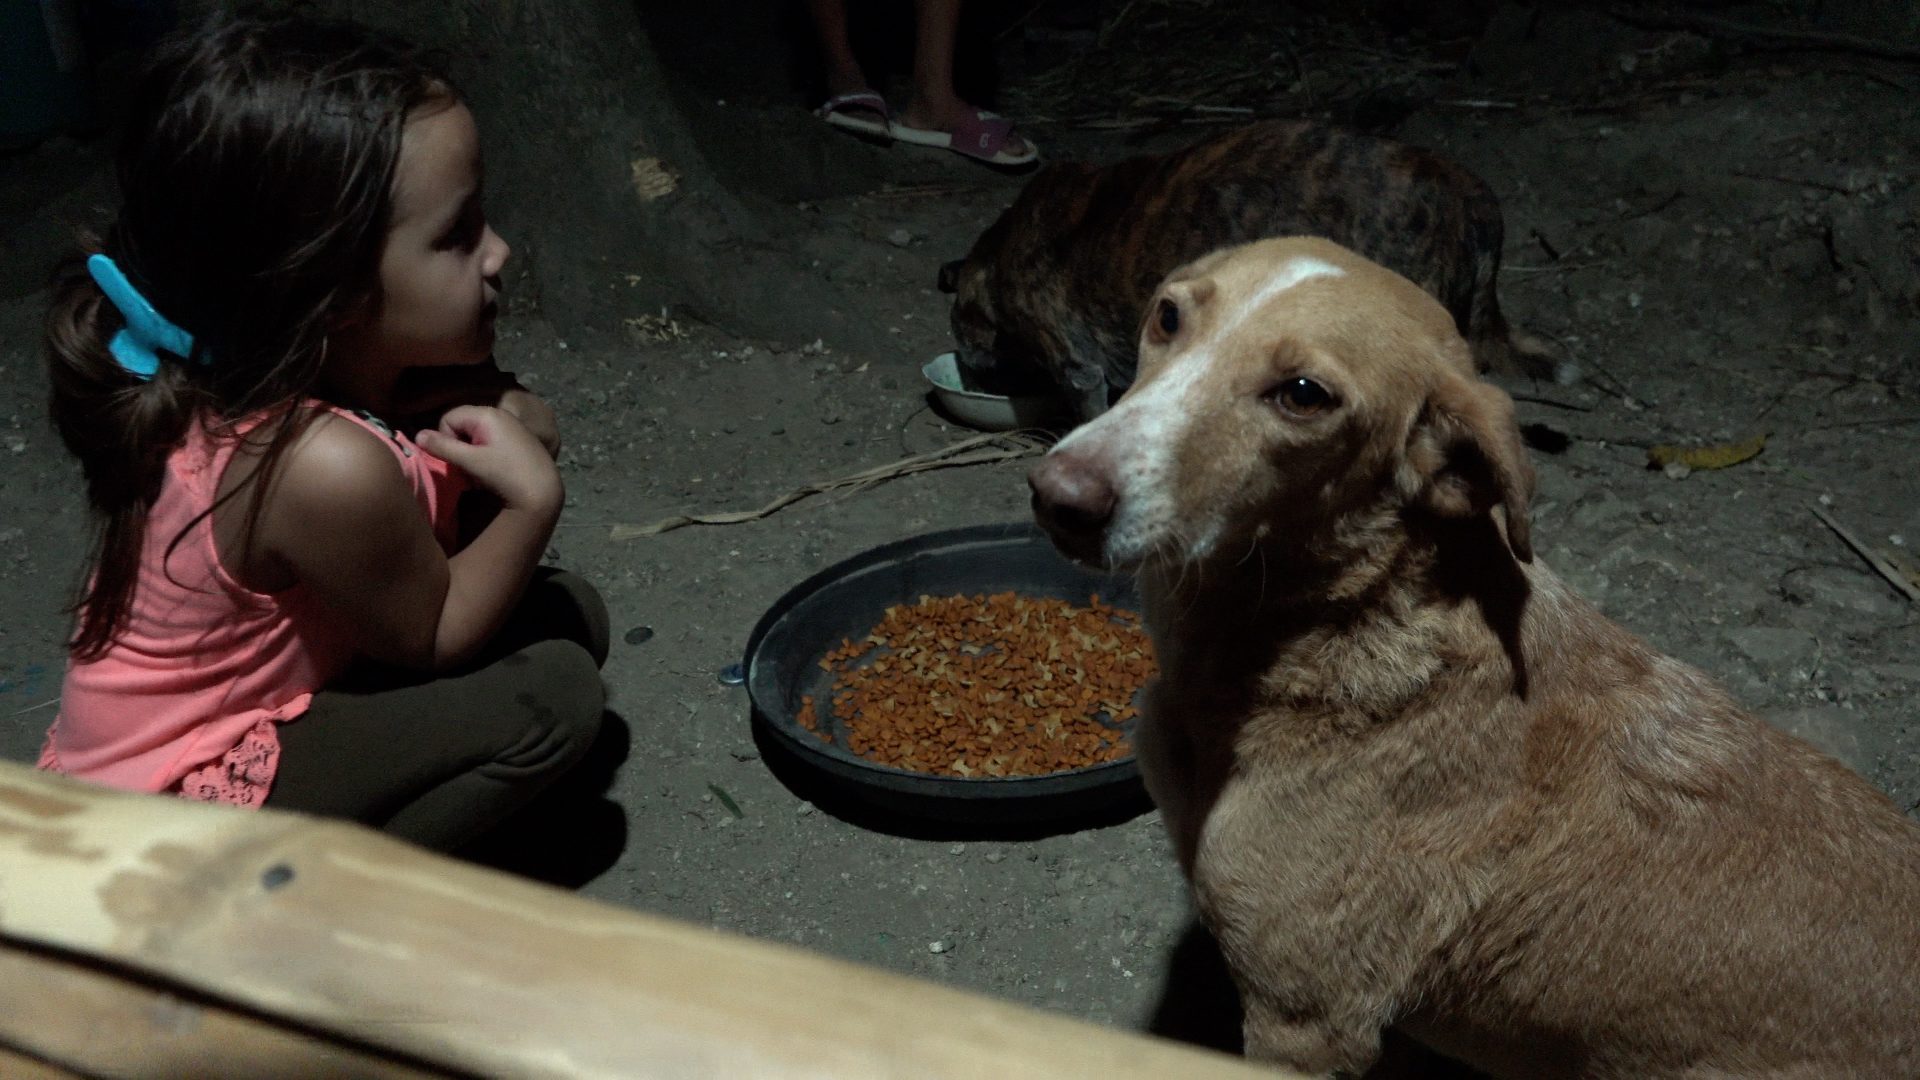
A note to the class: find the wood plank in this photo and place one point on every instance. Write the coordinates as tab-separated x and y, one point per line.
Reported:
103	1022
18	1066
335	928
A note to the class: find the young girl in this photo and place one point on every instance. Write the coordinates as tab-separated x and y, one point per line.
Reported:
282	609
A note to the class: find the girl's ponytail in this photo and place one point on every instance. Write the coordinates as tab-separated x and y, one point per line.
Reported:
255	166
121	427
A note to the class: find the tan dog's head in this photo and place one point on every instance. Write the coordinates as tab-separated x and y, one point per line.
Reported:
1285	386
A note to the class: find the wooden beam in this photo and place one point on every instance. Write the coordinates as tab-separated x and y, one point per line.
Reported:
111	1022
17	1066
329	933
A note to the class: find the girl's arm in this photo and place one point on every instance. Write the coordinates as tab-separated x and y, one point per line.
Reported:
341	517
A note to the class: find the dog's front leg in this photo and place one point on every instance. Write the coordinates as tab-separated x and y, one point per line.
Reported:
1167	767
1311	1043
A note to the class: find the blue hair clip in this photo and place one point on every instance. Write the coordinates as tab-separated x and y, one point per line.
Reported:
148	332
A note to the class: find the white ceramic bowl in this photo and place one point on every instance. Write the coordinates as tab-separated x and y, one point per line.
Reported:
976	409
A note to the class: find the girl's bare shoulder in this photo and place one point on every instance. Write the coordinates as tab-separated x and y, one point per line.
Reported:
339	469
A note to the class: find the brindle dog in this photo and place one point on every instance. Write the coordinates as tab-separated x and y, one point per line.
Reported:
1049	299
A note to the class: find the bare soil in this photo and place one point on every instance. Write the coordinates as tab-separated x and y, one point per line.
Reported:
1724	238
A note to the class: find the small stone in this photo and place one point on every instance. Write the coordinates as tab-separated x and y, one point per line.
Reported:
1677	470
1845	589
1601	513
805	809
996	856
1805	258
900	238
1774	646
937	947
957	849
1909	673
1833	731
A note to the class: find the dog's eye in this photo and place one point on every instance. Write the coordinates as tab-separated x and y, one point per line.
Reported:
1168	318
1302	397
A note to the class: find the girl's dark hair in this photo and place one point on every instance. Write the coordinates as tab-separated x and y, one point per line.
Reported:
256	172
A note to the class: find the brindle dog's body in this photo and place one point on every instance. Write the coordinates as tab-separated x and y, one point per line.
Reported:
1051	294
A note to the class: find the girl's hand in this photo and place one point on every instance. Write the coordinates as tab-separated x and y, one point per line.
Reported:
500	454
527	407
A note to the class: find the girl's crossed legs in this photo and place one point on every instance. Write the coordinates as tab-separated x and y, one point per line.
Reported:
438	762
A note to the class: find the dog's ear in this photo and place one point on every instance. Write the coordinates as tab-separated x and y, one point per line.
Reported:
949	280
1465	457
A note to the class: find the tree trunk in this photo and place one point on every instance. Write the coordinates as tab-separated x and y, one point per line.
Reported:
594	174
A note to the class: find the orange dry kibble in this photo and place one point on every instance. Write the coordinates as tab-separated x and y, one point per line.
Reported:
1000	685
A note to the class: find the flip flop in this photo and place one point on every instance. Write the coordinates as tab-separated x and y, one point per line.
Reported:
982	135
842	111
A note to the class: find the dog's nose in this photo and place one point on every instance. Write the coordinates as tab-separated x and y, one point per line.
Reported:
1073	501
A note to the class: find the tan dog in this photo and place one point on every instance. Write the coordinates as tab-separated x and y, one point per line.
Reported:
1415	781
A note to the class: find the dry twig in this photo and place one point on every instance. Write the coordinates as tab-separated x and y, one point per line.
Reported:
1765	37
1880	565
979	450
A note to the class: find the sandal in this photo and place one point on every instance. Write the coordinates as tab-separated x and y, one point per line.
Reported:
856	112
981	135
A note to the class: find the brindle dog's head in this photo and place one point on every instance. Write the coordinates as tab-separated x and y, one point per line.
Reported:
1008	295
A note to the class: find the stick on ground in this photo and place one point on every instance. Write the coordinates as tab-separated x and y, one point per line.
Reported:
999	446
1880	565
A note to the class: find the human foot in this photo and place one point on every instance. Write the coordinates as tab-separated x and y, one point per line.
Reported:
860	110
964	129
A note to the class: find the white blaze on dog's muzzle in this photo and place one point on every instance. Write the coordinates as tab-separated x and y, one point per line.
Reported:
1136	441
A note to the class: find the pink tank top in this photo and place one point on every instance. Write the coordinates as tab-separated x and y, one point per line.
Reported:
188	697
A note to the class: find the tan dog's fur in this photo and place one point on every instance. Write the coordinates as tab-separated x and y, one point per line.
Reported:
1413	779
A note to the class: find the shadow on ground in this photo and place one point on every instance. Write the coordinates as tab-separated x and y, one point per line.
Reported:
573	832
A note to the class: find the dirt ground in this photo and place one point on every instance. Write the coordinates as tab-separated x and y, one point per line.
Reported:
1724	240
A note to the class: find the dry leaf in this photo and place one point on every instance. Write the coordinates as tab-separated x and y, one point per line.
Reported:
654	328
652	179
1717	456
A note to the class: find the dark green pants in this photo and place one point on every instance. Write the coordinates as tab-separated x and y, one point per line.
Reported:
439	761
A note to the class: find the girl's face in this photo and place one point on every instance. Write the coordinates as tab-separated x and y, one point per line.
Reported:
440	268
